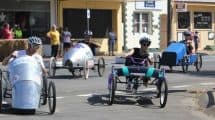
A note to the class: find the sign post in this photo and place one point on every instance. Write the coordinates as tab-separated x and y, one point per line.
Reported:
88	20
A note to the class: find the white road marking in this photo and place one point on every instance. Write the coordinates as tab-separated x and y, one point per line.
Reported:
180	86
85	95
210	83
60	97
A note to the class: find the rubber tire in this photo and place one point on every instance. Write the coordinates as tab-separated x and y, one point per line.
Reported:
52	65
112	92
52	95
198	62
44	91
185	65
86	70
163	100
101	64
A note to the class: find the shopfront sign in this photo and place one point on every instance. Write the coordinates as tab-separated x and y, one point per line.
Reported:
149	5
181	7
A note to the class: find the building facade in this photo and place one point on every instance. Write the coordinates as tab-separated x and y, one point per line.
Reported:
197	15
103	15
143	18
33	16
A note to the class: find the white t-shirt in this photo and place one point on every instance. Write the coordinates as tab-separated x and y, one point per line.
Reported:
66	37
38	57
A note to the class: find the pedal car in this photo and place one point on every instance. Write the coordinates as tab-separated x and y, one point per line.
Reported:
176	55
140	72
24	88
78	58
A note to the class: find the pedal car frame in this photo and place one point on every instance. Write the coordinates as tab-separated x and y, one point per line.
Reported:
138	71
47	94
175	55
78	58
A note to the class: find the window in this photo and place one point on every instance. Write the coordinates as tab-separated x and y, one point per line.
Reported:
141	23
183	20
202	20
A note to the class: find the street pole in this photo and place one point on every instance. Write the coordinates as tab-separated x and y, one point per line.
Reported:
88	20
169	20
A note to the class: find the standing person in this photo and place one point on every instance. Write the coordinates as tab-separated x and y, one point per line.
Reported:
54	37
66	39
7	32
111	42
196	40
17	32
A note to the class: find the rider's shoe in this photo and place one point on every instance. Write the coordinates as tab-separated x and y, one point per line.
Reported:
134	91
128	88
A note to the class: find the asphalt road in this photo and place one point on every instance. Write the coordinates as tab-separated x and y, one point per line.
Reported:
79	99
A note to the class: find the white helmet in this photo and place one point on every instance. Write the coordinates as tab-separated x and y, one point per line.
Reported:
34	40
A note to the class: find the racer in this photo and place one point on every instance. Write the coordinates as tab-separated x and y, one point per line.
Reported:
142	55
34	44
188	42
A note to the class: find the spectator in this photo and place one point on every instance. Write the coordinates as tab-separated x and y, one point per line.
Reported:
54	37
111	42
7	32
66	39
17	32
196	40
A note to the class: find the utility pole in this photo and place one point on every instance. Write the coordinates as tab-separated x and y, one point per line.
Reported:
169	20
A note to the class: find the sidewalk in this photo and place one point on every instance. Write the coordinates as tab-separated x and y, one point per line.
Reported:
206	102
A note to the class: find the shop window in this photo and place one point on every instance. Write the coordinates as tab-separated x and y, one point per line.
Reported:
183	20
141	23
202	20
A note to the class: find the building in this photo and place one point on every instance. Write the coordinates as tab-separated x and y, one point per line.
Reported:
198	15
33	16
103	15
144	18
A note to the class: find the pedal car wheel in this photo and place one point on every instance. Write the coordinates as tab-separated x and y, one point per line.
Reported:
86	70
44	91
1	96
112	89
198	62
185	65
52	65
163	91
101	66
52	97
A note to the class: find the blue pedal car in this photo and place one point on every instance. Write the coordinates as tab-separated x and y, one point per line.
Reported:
176	55
24	88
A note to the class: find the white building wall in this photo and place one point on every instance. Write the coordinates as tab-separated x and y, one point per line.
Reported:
131	38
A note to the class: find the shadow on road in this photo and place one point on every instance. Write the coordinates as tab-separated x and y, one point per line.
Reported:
206	73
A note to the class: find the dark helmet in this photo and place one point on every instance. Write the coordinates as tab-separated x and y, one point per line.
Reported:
187	33
145	40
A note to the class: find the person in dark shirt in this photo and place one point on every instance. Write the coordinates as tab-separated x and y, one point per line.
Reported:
188	42
140	56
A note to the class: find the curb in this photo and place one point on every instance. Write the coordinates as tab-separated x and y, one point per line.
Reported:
206	101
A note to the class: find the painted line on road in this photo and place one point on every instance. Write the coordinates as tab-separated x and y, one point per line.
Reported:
85	95
209	83
180	86
60	97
